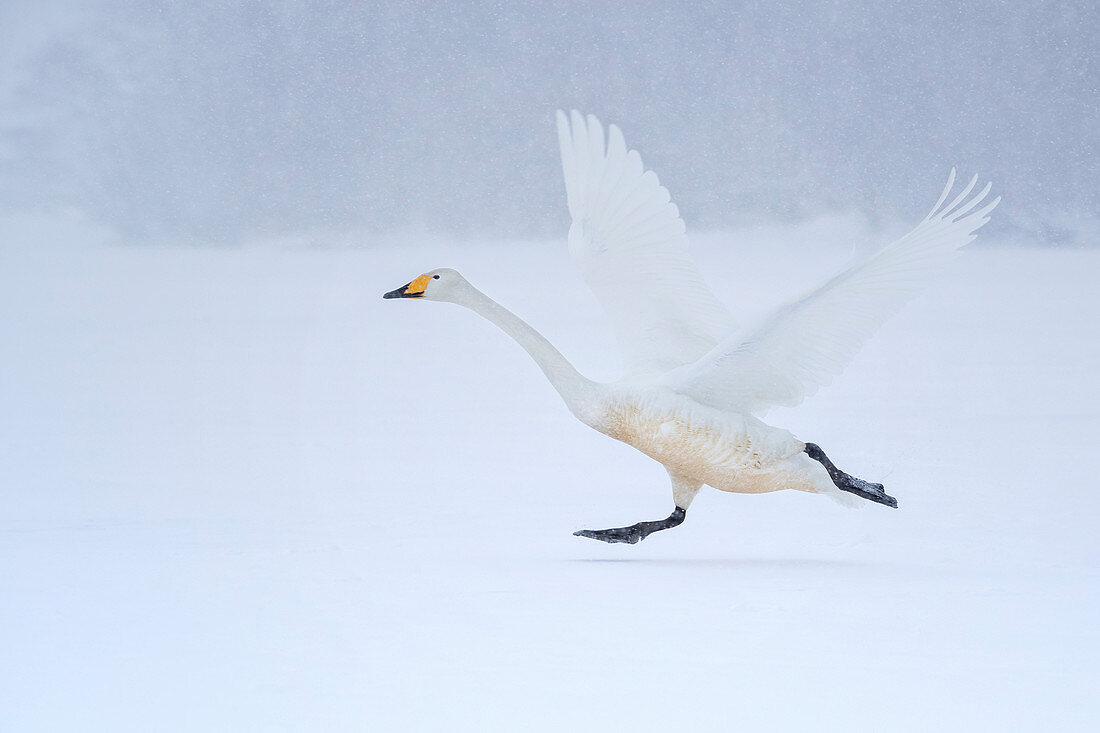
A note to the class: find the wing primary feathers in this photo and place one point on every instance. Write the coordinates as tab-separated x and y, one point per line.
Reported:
804	344
943	196
960	197
568	161
628	241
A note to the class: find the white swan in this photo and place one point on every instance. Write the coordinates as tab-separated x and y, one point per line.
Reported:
695	384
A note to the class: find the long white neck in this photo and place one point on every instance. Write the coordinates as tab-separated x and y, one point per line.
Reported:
575	389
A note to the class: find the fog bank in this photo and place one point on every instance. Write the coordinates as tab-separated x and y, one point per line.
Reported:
218	121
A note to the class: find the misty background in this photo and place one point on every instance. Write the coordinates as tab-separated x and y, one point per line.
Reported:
218	122
241	491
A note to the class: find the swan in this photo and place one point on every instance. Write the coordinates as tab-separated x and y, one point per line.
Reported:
696	383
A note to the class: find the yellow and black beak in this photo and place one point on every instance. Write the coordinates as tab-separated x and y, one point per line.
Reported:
415	289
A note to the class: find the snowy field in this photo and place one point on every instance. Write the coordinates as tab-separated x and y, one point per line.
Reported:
240	491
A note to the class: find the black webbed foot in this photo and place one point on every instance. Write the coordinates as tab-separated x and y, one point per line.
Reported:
631	535
868	490
635	533
849	483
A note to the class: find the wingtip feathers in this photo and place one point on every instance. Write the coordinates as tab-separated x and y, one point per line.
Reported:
958	211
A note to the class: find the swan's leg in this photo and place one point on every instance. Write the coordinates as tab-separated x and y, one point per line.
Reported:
849	483
635	533
683	491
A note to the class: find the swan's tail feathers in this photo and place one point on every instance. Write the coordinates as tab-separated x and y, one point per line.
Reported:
851	484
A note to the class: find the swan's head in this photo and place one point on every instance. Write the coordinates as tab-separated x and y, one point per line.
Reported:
440	284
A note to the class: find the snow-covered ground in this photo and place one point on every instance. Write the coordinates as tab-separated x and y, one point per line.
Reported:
240	491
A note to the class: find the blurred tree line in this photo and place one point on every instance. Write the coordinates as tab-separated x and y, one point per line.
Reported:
216	121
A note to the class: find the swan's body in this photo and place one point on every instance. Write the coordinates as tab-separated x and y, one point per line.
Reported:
701	445
694	383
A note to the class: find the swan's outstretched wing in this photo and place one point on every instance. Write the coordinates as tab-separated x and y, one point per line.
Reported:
804	344
628	241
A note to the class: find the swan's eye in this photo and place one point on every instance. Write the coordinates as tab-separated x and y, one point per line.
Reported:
435	277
